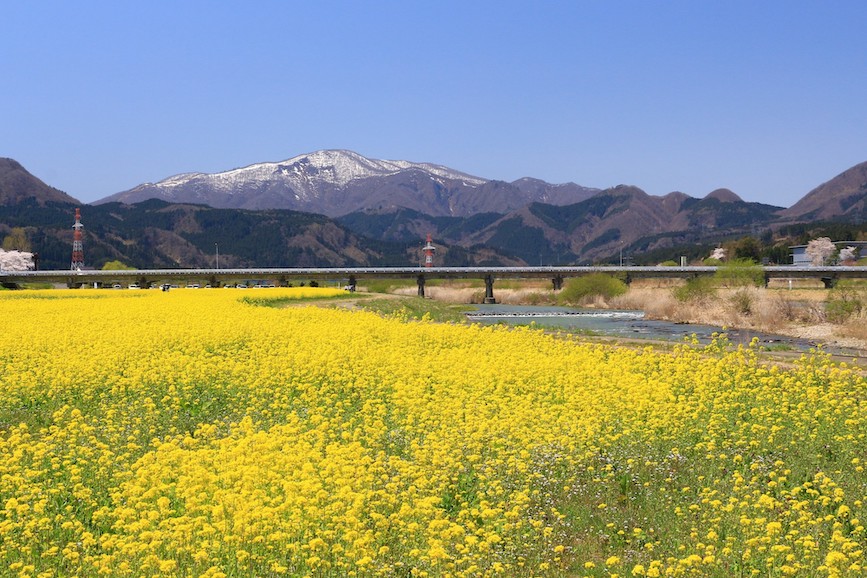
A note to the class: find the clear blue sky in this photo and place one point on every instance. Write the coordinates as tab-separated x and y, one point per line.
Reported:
767	98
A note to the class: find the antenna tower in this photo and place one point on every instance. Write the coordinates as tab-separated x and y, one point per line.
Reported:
429	250
77	245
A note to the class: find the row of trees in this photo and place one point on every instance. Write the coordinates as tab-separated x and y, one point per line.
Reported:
821	251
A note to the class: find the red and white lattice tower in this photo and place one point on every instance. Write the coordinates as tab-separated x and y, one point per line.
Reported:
77	245
429	250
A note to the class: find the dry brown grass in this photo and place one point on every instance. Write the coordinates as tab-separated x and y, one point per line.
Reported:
798	312
743	307
476	295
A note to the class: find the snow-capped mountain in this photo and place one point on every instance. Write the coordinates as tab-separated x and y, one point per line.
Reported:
338	182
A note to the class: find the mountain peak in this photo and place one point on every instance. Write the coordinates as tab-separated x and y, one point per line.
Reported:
17	185
843	196
337	182
724	196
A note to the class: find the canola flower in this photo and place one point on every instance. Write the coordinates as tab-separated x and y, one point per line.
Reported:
194	433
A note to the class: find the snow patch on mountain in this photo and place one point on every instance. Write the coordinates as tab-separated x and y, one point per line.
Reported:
306	174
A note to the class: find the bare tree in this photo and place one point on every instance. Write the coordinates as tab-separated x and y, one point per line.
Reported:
820	250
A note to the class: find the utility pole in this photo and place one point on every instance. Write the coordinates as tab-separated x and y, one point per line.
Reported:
429	250
77	244
217	251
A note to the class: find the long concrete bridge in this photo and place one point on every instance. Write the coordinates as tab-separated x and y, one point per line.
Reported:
282	276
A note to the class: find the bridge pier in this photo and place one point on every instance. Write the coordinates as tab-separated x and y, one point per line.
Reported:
489	289
829	282
352	283
767	280
627	279
558	282
420	282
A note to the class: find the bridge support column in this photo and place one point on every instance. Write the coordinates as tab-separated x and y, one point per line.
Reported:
558	282
352	283
489	289
767	281
420	282
627	279
829	282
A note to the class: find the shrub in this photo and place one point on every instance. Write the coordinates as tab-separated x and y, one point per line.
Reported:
117	266
742	301
844	302
695	289
740	273
580	289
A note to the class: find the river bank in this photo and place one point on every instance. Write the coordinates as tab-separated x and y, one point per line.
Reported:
798	312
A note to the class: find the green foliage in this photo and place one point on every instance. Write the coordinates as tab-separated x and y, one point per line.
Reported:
386	285
417	309
845	301
711	262
695	289
588	286
740	273
745	248
668	263
17	240
117	266
279	302
802	233
677	243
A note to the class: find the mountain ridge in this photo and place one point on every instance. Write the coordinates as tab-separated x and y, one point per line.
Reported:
843	196
403	201
17	185
339	182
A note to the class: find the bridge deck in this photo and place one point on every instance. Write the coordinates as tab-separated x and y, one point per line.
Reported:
225	275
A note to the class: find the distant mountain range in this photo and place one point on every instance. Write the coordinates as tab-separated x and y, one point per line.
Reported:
338	182
361	211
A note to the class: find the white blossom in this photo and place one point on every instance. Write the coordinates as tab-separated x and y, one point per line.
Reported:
820	250
15	260
848	254
719	254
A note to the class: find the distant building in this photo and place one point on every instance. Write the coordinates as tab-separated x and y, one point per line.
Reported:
801	259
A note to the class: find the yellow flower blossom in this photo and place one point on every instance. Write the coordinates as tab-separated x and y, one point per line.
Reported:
204	434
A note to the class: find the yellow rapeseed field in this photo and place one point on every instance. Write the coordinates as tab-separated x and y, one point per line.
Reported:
196	433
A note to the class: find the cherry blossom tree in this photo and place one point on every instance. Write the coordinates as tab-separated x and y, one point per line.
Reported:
820	250
848	254
719	254
16	260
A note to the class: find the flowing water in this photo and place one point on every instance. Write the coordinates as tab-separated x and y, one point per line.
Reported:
630	324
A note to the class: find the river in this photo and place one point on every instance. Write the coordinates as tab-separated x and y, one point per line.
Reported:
632	325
